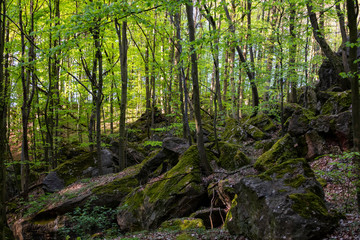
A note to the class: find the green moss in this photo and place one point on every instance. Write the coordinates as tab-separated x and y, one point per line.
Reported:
234	203
72	170
289	167
309	205
338	101
231	157
281	151
322	181
233	131
254	132
44	221
261	121
185	236
185	176
123	186
182	224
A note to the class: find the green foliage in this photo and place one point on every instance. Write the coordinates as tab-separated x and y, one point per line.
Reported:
153	143
85	221
343	172
35	204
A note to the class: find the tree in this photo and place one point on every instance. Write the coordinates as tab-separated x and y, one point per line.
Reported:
3	126
123	47
204	164
354	78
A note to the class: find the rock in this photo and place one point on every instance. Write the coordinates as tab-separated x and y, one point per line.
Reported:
285	148
322	123
52	183
233	132
316	145
261	121
311	102
266	144
343	130
329	78
299	122
254	132
337	102
285	202
231	157
50	210
211	217
176	145
174	194
182	224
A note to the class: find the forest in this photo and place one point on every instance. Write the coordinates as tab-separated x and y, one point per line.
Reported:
194	118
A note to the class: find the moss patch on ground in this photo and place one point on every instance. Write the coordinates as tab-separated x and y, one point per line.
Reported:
183	224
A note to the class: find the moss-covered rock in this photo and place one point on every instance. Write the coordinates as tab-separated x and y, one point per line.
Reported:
73	169
182	224
299	122
266	202
261	121
231	157
234	132
284	149
254	132
338	102
176	193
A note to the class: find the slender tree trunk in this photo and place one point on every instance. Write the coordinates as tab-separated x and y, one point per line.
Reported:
249	71
204	164
3	126
292	53
354	78
123	46
181	78
26	75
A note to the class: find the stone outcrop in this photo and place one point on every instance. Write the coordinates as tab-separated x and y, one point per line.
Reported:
284	202
176	193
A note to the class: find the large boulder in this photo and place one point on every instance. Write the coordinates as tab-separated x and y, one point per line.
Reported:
328	77
261	121
176	193
285	202
231	157
234	132
336	103
84	166
285	148
164	159
298	123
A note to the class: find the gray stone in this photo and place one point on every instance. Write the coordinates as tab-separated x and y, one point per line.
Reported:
285	202
176	145
53	183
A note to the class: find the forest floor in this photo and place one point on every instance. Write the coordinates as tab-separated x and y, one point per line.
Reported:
339	192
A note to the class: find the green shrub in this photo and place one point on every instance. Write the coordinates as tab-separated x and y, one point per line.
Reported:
85	221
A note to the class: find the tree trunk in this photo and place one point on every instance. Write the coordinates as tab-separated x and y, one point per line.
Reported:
3	126
354	78
292	53
123	46
204	164
249	71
